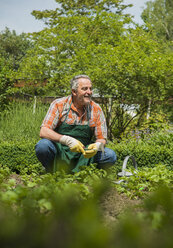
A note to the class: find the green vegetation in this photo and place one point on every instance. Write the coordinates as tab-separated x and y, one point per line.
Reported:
69	209
130	66
13	49
20	123
158	16
19	132
132	69
5	83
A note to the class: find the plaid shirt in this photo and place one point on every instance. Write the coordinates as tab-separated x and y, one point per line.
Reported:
59	112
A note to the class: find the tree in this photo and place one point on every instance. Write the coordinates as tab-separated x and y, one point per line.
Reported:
5	82
159	15
72	28
89	37
136	73
13	47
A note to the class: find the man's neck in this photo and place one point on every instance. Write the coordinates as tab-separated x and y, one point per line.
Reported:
79	108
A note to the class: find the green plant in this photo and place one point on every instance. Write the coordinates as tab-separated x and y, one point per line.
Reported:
16	155
146	180
20	123
153	149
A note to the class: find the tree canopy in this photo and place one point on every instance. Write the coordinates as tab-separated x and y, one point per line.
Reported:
159	15
13	47
73	28
128	65
90	37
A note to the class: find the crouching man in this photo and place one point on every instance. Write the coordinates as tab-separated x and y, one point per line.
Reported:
74	130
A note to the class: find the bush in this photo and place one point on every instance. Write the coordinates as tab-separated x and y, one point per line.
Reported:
150	228
148	152
157	149
16	155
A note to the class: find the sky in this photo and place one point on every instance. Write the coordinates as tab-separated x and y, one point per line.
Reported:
16	14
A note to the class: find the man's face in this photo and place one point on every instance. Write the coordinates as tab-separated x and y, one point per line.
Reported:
83	93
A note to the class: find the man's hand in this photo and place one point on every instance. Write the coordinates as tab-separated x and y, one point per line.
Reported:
74	144
93	149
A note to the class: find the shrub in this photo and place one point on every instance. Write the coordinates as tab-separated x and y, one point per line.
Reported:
17	154
157	149
148	152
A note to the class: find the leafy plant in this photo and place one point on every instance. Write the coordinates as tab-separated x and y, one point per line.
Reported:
145	180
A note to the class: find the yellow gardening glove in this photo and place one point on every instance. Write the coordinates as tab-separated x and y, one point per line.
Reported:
74	144
78	147
93	149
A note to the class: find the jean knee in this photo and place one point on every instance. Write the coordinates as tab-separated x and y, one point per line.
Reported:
45	146
112	156
108	157
46	152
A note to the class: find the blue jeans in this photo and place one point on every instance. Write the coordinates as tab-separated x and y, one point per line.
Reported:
46	152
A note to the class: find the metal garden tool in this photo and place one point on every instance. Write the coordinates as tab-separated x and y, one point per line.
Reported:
124	172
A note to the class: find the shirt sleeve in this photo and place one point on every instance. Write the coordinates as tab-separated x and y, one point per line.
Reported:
101	127
52	117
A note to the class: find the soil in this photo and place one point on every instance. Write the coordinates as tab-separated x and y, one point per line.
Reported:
17	178
115	204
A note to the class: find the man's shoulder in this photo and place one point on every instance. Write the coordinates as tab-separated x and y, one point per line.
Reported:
95	105
62	100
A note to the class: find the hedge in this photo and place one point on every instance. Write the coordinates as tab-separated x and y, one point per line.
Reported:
157	149
147	153
15	154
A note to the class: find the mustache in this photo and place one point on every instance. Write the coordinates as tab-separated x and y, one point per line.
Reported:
88	96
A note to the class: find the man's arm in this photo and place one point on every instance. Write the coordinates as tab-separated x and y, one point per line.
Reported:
101	141
101	128
73	144
50	134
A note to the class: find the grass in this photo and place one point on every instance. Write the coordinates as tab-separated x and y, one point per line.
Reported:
20	122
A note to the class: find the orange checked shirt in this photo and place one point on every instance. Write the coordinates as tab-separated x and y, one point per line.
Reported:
63	109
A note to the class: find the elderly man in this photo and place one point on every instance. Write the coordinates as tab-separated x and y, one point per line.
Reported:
74	131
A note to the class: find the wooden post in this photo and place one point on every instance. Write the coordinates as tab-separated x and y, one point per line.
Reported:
149	109
35	102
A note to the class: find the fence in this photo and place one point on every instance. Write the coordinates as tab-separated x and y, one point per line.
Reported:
48	99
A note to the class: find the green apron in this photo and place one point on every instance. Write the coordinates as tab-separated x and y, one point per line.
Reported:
66	159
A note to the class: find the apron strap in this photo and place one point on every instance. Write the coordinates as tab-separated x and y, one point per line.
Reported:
88	113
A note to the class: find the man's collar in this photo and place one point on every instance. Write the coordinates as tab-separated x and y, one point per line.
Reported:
73	106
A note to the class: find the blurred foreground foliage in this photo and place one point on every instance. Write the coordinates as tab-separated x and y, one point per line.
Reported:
63	211
152	227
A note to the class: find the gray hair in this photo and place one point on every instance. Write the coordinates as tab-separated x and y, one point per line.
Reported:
75	82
